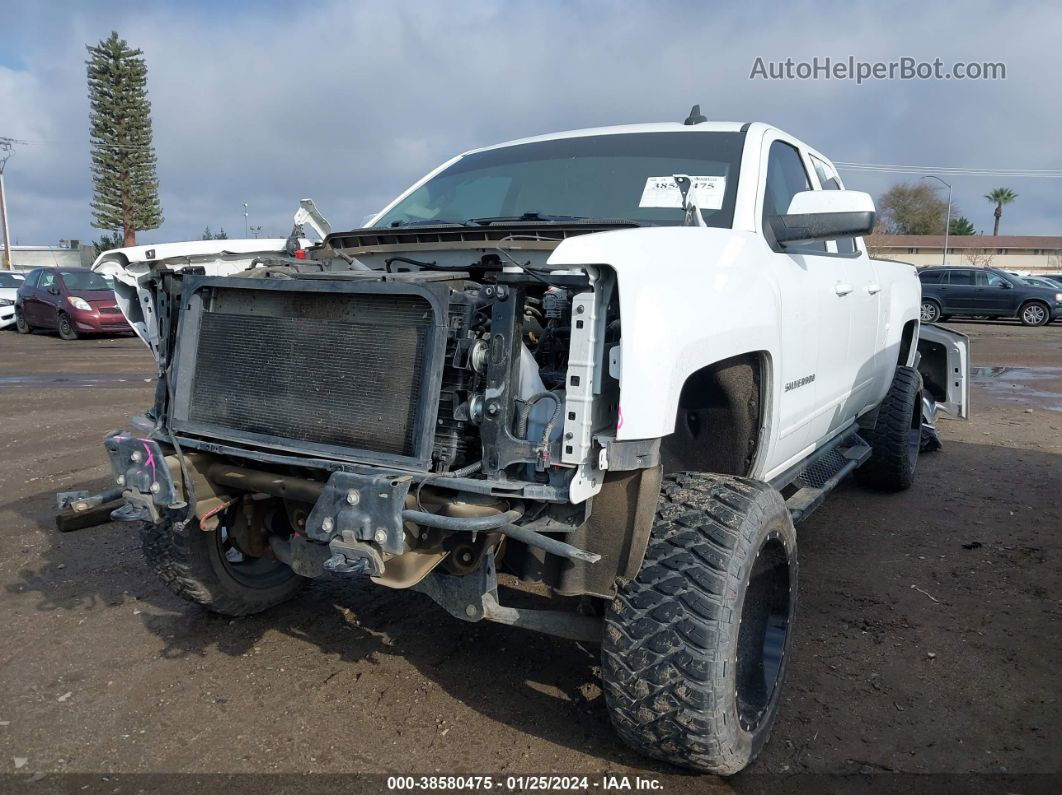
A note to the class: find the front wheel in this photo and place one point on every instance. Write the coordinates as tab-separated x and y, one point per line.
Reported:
20	323
66	327
930	312
1034	314
897	434
696	646
206	567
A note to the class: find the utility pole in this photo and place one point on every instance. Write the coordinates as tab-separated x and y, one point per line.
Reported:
947	223
6	150
246	234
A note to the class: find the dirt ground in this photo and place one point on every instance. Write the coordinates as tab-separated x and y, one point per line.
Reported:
928	637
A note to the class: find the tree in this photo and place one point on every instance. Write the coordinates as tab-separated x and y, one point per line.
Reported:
961	226
912	209
875	240
126	188
979	257
999	197
221	234
107	242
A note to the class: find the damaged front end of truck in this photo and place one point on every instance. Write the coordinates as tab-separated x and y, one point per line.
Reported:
427	407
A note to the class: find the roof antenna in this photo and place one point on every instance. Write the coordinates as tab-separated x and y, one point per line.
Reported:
695	116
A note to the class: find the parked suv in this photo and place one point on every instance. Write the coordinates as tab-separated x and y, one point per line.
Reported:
987	292
73	301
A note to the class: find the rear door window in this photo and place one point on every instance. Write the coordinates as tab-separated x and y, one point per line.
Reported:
960	278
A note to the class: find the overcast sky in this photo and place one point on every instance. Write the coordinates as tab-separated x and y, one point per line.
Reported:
349	102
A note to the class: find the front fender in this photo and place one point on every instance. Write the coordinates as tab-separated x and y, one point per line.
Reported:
689	297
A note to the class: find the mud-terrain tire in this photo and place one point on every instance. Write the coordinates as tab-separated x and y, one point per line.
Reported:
896	436
194	565
20	323
66	327
696	646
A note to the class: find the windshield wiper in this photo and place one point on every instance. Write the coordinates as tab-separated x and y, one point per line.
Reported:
546	218
427	222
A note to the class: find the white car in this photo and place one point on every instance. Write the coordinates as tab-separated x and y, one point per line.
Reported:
618	363
10	281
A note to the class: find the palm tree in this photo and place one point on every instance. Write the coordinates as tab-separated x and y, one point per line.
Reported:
961	226
999	197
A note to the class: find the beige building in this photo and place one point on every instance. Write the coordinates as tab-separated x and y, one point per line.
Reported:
70	255
1033	253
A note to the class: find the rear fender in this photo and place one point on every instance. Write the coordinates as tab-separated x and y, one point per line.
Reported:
944	362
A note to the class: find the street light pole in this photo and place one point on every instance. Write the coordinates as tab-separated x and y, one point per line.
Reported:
3	221
245	232
6	150
947	223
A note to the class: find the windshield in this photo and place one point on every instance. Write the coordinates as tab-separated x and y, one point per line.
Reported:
85	280
11	280
622	177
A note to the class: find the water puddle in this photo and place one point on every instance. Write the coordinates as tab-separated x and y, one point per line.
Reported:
1039	387
74	379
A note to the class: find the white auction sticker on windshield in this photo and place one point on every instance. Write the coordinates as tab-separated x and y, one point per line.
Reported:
664	192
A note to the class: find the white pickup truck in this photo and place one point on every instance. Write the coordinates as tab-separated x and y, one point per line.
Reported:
619	363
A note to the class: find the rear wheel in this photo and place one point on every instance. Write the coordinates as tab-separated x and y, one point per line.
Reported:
930	311
206	567
897	434
696	646
20	323
66	327
1034	314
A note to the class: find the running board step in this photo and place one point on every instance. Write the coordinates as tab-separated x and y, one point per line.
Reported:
823	472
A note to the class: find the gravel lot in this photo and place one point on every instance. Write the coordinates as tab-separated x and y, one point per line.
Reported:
928	639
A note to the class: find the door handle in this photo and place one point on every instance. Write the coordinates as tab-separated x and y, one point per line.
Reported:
873	289
842	288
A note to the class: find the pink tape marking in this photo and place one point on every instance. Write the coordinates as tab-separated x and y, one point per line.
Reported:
150	460
619	417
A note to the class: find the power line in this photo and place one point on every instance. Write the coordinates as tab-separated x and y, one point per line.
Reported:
55	142
957	171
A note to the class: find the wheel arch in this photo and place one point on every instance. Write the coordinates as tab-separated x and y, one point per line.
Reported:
726	401
1034	300
907	343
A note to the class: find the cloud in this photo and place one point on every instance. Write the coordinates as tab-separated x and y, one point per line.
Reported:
350	102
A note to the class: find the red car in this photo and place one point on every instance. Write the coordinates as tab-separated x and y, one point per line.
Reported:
73	301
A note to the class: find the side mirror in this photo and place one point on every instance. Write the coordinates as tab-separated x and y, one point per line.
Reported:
1006	285
824	215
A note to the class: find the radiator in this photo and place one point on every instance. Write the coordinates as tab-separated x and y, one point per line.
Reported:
319	368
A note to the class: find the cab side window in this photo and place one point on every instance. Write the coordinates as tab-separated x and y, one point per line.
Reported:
47	280
786	177
830	181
